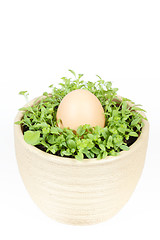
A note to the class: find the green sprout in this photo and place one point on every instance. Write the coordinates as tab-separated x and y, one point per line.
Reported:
123	124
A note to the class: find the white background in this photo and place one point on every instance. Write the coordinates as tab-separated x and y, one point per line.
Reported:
39	42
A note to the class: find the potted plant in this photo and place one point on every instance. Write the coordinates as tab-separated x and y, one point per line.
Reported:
83	175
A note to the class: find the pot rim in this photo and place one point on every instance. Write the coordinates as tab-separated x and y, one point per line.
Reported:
70	161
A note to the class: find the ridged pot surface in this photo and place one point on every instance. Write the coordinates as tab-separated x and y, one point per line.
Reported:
80	192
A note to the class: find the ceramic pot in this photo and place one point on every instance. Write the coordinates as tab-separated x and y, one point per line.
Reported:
80	192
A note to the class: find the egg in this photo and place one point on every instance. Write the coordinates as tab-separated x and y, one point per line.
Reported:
80	107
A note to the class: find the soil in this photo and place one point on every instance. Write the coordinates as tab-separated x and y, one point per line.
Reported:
131	141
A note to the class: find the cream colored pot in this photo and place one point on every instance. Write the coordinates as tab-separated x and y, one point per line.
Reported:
80	192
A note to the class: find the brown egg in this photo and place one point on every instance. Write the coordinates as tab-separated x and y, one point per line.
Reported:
80	107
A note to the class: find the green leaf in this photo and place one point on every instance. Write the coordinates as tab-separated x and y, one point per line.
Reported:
32	137
45	94
79	76
105	132
99	77
115	112
88	154
41	125
118	140
18	122
127	99
99	157
66	152
122	130
79	156
95	150
135	121
108	85
91	136
127	137
109	109
102	147
113	153
72	72
138	109
53	149
104	155
115	89
133	134
60	139
80	130
23	93
90	144
46	130
98	130
113	130
71	144
51	139
124	107
124	147
73	150
46	145
109	142
27	120
54	130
